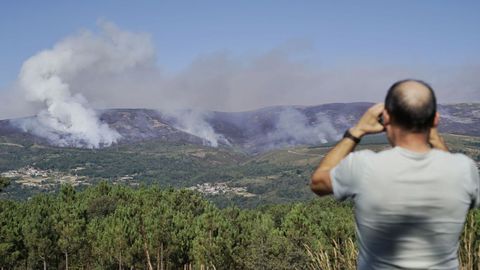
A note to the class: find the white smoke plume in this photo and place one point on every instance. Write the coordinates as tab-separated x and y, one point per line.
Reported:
194	122
67	119
100	67
293	128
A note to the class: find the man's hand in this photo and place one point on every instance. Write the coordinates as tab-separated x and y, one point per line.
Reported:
436	140
369	124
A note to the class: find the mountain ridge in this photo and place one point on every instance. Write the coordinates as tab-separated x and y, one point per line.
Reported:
254	131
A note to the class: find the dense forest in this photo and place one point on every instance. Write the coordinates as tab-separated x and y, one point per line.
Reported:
152	222
118	227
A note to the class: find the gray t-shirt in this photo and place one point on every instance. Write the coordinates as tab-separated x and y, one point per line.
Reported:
409	207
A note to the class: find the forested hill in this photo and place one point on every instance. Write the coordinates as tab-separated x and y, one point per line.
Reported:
252	132
117	227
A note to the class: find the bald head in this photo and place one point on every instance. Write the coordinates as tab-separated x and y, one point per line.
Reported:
411	105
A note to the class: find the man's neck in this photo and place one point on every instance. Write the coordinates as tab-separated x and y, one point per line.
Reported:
415	142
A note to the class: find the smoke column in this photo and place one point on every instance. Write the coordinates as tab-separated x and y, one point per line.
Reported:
293	128
67	119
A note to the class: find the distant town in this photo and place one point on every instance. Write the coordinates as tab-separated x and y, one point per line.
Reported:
30	177
220	188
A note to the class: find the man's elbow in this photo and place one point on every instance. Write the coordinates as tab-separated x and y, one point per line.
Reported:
319	191
320	185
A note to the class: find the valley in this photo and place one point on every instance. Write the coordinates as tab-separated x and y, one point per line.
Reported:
224	175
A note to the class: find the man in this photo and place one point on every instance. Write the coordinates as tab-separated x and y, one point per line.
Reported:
410	201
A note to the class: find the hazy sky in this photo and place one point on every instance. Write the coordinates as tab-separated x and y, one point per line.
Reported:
275	52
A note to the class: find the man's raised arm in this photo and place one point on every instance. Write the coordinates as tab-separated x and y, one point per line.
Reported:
321	183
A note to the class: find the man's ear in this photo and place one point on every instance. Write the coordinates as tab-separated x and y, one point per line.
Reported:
386	117
436	119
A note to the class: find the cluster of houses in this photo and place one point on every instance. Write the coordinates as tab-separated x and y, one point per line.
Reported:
220	188
30	177
42	179
30	171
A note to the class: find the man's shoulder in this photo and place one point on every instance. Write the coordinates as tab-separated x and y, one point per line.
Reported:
367	153
391	154
459	157
370	155
453	157
364	152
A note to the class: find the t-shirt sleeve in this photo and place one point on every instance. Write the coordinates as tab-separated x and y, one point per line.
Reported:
342	176
476	183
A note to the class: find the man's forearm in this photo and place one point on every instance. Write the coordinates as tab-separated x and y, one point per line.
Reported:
320	182
336	154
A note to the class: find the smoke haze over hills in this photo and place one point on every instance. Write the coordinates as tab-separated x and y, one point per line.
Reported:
114	68
252	132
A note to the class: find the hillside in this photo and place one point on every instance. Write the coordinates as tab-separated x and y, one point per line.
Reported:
252	132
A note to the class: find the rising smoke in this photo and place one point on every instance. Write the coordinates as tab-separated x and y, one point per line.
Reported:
58	78
294	128
195	123
68	119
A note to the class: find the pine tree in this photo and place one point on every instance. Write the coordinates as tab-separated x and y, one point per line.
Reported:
38	231
12	249
70	223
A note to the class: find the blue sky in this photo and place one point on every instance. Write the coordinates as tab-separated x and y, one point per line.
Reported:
329	34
